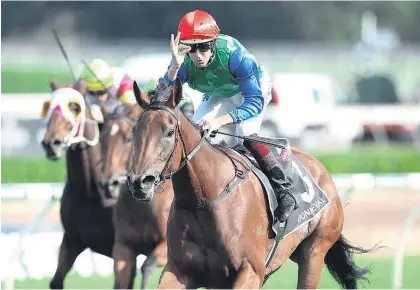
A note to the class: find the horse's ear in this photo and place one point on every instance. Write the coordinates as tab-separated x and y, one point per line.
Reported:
81	86
177	92
54	85
142	99
45	108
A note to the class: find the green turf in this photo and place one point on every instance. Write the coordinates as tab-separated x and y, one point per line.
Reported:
286	277
19	169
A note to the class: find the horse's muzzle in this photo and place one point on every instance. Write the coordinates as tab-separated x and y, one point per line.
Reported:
111	187
141	187
53	148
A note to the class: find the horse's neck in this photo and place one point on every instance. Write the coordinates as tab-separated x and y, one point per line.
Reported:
205	175
78	168
82	165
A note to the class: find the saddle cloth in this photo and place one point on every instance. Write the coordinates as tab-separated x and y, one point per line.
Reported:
312	199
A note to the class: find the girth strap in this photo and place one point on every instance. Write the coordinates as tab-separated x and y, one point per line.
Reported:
239	176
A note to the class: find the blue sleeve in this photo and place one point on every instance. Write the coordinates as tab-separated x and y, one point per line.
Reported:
244	68
182	75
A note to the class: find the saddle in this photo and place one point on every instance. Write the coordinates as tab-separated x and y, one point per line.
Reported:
312	199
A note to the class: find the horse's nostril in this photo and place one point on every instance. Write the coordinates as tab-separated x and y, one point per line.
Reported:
114	183
56	142
148	179
132	180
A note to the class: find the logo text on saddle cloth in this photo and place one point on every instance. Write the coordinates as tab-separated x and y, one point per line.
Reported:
316	205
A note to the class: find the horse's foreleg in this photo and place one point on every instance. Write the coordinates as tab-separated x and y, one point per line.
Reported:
172	279
247	277
66	257
124	266
157	259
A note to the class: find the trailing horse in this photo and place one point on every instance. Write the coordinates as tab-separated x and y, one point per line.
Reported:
221	230
140	228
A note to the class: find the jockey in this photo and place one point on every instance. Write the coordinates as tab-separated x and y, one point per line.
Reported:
236	90
107	85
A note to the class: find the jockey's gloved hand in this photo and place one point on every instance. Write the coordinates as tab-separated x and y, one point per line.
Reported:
208	127
208	134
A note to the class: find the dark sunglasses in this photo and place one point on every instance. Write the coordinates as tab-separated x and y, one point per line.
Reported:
97	93
202	47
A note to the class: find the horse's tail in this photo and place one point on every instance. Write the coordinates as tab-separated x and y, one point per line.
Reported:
340	263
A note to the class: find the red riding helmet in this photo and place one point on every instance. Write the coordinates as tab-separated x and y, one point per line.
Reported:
197	27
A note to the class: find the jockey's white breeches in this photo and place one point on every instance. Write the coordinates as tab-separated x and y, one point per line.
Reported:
212	107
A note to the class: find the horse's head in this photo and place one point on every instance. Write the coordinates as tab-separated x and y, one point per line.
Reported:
65	116
155	137
117	145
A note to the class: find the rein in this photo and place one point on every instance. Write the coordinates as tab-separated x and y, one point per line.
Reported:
239	174
252	139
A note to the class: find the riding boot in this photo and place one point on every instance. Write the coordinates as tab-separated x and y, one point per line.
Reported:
271	167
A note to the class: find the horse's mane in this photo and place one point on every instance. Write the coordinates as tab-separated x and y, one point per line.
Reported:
163	92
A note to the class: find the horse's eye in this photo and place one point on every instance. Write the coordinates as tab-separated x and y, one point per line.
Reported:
170	133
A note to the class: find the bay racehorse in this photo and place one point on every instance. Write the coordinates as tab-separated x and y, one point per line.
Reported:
219	231
140	228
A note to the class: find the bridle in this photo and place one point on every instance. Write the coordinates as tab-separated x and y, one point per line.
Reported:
178	136
239	174
72	140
